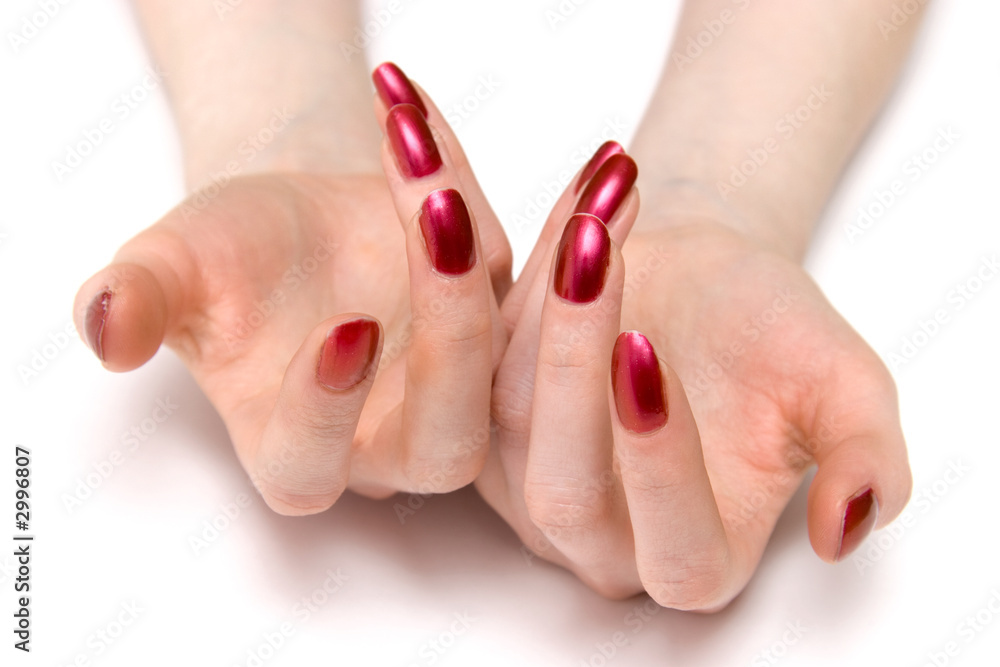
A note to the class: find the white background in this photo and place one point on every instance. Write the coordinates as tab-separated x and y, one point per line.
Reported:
130	542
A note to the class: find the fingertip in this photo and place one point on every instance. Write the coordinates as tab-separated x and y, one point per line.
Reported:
121	314
862	484
394	87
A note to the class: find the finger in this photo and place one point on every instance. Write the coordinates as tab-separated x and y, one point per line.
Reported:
441	437
515	379
125	311
863	479
302	461
570	488
393	88
616	182
414	166
681	549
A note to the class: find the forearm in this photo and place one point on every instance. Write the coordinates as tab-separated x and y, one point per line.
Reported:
761	105
263	85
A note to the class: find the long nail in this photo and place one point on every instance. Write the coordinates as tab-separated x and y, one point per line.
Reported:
412	142
859	519
606	150
637	384
609	187
94	321
447	230
582	260
394	87
348	354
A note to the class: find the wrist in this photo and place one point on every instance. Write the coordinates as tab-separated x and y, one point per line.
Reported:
676	203
285	140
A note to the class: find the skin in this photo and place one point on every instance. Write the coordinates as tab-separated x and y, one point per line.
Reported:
683	513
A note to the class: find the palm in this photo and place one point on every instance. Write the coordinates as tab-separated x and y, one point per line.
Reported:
276	255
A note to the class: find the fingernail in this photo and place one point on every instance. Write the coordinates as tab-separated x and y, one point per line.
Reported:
637	384
606	150
859	519
94	320
447	229
394	87
582	259
412	142
608	188
348	354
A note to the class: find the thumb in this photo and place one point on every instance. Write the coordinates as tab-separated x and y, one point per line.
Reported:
125	310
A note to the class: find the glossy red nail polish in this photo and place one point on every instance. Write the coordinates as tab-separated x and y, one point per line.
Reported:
394	87
582	259
94	321
609	187
859	520
348	354
637	384
447	230
412	142
601	155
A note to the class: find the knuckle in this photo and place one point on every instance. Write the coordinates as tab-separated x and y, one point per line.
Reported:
563	507
290	503
511	403
437	473
690	586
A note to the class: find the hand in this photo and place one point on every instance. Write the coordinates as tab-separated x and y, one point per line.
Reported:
280	294
670	477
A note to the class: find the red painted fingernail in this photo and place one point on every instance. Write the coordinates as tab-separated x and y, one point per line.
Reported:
582	259
859	519
394	87
447	229
609	187
606	150
412	142
94	321
348	354
637	384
